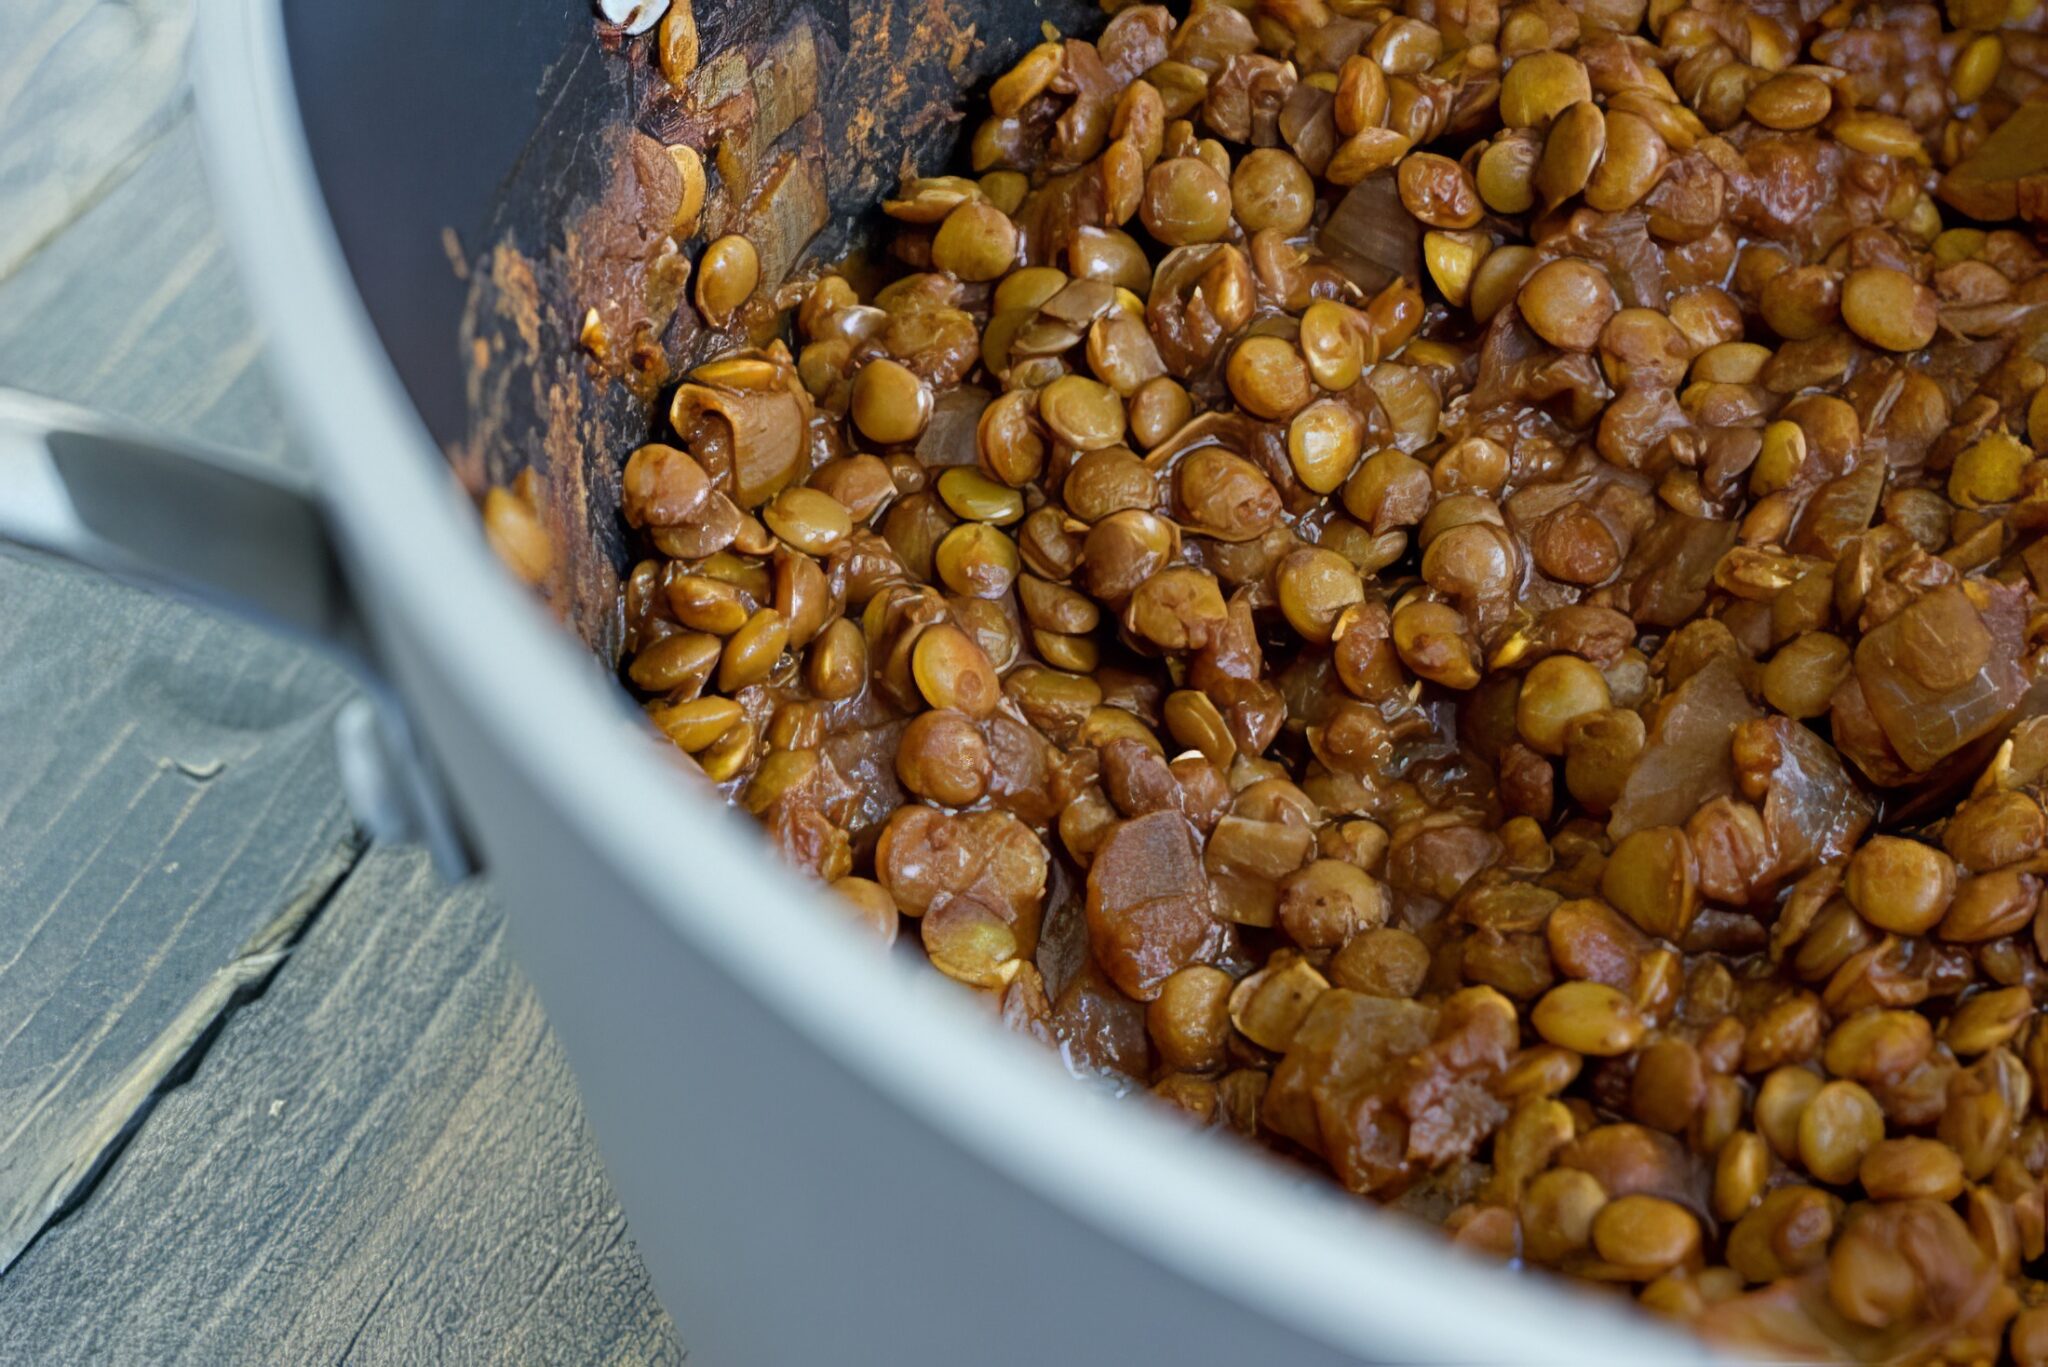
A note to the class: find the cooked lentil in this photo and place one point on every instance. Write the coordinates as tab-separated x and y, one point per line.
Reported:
1455	590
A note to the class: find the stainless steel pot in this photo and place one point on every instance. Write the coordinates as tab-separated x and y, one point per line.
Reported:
825	1155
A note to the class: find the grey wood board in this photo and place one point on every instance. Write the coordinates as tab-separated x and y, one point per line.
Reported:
170	812
134	310
85	87
429	1196
116	289
382	1159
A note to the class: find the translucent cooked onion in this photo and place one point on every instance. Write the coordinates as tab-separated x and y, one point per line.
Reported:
1372	237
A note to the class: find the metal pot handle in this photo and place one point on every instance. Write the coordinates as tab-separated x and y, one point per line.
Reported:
233	533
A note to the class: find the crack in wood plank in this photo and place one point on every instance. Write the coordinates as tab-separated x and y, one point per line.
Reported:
145	898
56	158
381	1158
360	1143
77	204
72	1168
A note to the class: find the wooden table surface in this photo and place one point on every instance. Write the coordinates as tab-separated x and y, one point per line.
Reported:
266	1095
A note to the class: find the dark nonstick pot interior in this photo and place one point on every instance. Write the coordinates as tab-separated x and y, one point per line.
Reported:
479	165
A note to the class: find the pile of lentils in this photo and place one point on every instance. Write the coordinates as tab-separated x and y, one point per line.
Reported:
1452	590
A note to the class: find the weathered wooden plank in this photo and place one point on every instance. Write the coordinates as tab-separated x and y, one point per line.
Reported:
381	1159
133	308
170	813
85	86
116	290
384	1158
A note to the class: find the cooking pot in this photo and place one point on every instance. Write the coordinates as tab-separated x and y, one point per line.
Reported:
826	1154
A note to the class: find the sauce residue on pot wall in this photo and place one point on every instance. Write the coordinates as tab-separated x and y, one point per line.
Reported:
582	246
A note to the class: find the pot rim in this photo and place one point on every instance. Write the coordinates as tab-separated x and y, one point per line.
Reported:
1304	1254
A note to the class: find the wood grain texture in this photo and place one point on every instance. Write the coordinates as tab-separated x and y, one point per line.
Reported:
168	805
116	290
381	1159
85	87
169	815
133	309
381	1156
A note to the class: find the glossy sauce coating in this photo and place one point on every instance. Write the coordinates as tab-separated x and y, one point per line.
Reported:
1455	591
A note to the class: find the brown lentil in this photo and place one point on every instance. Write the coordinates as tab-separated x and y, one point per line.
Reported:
1494	568
727	275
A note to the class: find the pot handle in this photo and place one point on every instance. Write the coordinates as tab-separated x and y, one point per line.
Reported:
235	533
